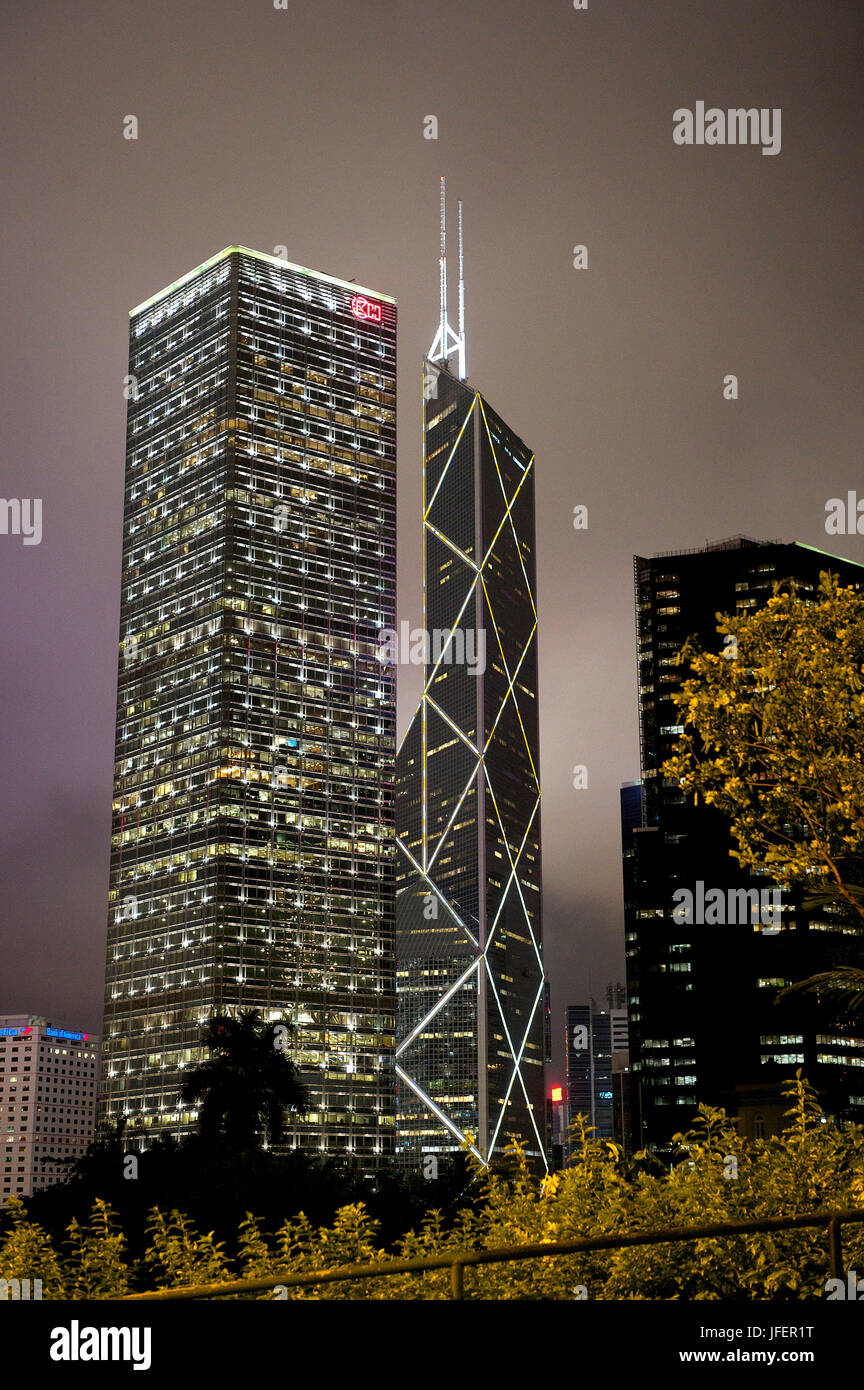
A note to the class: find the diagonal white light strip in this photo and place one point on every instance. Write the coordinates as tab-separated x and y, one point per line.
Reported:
445	1119
514	862
514	875
440	660
516	1067
456	809
512	1055
434	673
457	985
455	727
528	1104
445	540
440	896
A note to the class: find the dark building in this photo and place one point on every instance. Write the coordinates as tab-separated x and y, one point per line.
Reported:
471	999
252	841
705	1024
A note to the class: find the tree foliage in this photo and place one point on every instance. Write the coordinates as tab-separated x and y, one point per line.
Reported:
719	1176
774	739
246	1085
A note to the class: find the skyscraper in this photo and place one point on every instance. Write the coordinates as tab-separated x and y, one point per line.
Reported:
252	840
705	1021
595	1040
48	1081
471	1000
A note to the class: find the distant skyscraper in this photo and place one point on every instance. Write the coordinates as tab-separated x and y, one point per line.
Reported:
252	847
471	999
595	1040
705	1024
48	1084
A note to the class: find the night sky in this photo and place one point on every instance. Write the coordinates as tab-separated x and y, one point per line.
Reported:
304	127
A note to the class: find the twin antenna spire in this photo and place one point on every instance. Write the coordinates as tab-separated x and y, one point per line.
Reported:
446	340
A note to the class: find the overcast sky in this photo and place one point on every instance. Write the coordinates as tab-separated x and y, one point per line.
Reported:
305	128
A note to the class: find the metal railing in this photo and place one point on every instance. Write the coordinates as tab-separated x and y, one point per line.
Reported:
457	1261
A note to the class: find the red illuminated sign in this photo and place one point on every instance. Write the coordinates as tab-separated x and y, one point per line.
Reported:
557	1094
366	309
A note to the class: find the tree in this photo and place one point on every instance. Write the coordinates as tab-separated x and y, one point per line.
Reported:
774	738
722	1177
247	1083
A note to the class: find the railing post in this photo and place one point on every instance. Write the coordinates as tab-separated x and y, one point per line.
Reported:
457	1280
835	1246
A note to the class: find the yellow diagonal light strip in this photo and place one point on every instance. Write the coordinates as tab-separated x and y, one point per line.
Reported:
423	780
508	506
510	690
449	458
506	516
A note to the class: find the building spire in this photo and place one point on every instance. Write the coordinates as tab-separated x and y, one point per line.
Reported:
446	340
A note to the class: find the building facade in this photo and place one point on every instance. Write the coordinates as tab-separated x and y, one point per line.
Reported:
705	1021
49	1077
252	856
596	1053
471	999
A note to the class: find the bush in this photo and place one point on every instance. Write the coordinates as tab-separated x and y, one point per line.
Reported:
719	1177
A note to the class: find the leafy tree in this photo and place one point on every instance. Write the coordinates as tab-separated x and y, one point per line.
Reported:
247	1083
719	1177
27	1253
774	738
97	1260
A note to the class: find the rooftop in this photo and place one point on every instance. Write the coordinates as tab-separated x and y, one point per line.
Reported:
270	260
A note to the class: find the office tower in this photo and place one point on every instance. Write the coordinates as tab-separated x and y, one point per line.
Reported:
252	848
705	1023
471	1000
48	1081
595	1051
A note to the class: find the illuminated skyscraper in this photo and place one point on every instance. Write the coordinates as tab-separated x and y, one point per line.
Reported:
595	1053
252	847
48	1081
471	1005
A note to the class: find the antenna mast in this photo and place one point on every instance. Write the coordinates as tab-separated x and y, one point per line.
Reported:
447	341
